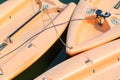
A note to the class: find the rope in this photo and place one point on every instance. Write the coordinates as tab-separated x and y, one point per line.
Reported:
58	33
39	3
40	33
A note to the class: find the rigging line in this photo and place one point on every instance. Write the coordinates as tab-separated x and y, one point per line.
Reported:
58	33
39	2
32	5
20	49
54	18
38	34
117	13
43	21
32	1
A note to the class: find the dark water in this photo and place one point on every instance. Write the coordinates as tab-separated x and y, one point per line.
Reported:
68	1
53	56
1	1
64	1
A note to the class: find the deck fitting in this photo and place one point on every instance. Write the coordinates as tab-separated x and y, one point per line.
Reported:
118	59
94	71
46	78
10	39
30	45
1	72
10	17
87	61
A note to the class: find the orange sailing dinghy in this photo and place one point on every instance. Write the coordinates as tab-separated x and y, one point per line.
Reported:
94	22
33	39
100	63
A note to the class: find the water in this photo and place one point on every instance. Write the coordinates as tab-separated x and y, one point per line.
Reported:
64	1
57	52
68	1
1	1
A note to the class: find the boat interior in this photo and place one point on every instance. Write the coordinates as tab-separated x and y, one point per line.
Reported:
94	26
